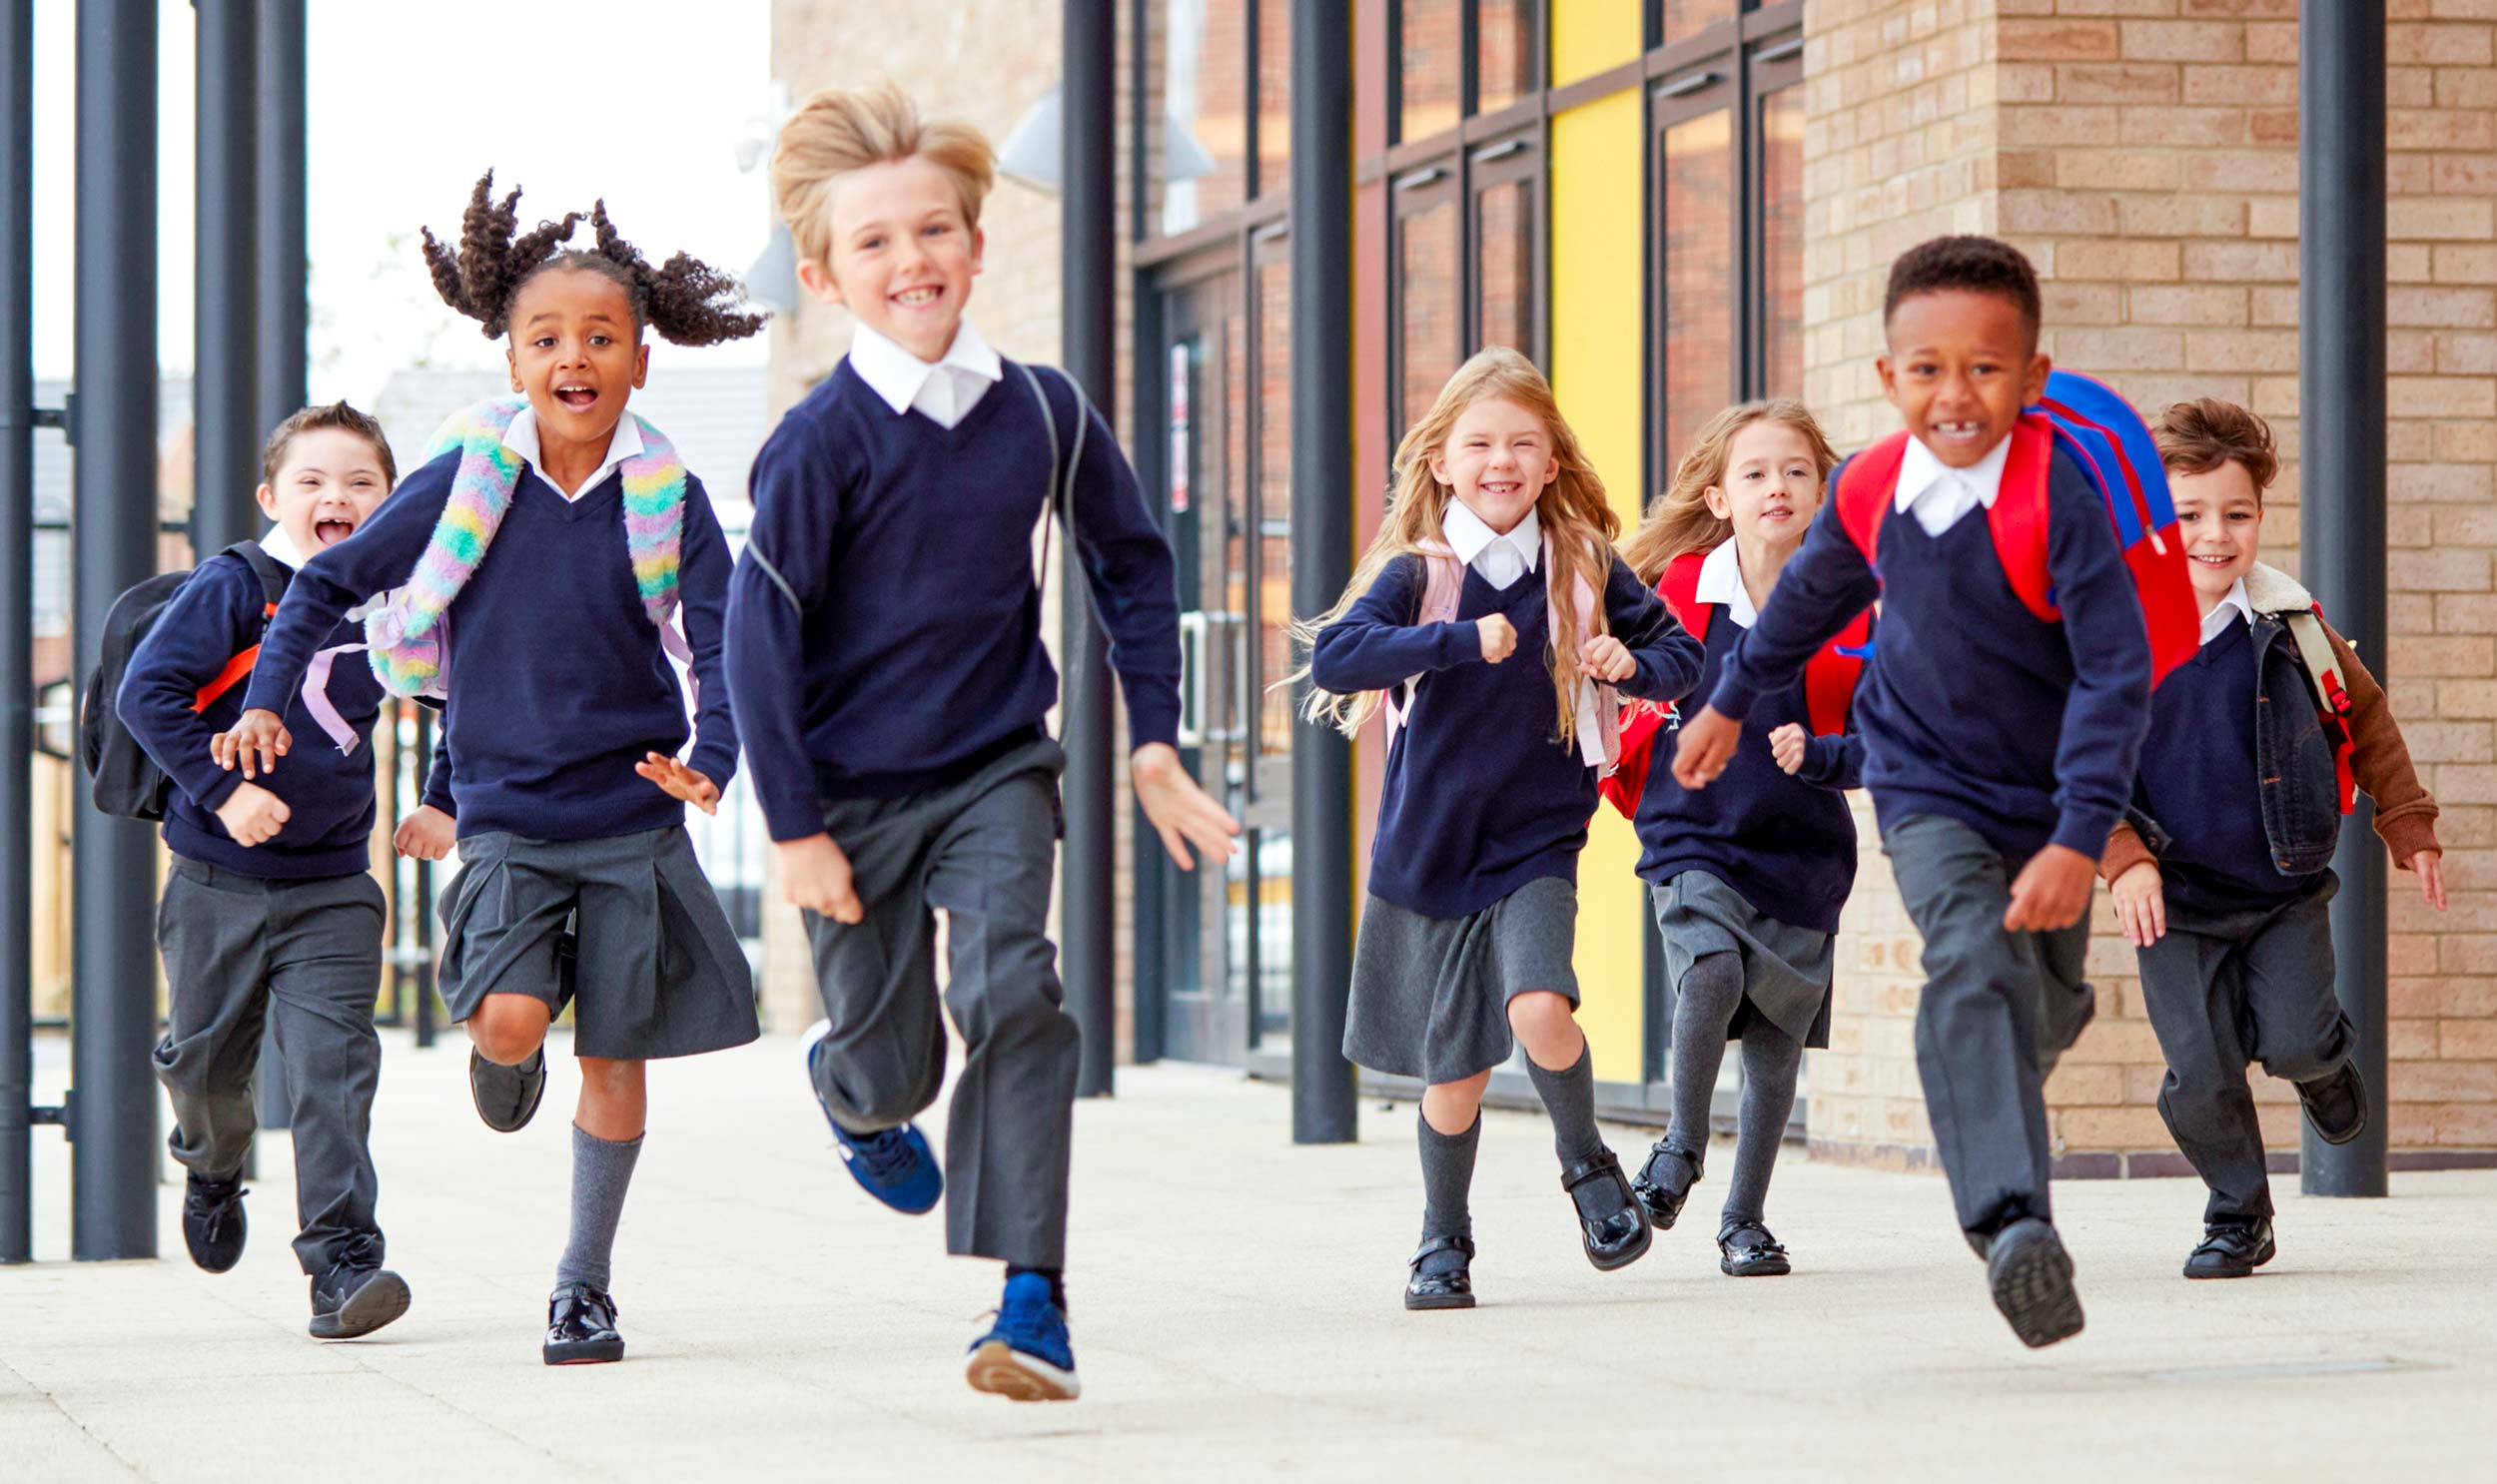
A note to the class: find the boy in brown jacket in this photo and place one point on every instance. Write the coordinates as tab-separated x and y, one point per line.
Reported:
2222	877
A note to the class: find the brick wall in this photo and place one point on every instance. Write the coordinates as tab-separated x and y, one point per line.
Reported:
2144	154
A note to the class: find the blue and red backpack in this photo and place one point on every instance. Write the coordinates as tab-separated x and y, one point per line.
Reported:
2108	439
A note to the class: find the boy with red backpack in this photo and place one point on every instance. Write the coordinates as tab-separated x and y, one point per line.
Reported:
2002	714
2222	885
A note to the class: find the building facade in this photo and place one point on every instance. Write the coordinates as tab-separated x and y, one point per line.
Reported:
1674	204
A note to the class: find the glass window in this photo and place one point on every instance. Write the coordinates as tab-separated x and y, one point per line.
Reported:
1504	289
1273	95
1697	171
1203	159
1427	333
1685	19
1272	514
1429	67
1782	240
1503	52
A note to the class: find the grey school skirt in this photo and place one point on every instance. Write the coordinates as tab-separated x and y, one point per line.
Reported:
1430	995
658	968
1786	969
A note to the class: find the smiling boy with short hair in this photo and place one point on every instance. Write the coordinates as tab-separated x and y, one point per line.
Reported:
884	629
2227	902
1998	744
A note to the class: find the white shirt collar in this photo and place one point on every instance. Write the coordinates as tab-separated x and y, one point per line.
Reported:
1721	581
1469	537
2230	608
281	548
904	381
1955	490
521	438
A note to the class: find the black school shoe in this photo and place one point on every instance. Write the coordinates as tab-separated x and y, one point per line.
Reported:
507	1096
1612	1226
580	1326
347	1301
2336	1103
2032	1278
2231	1249
212	1222
1665	1183
1745	1249
1445	1287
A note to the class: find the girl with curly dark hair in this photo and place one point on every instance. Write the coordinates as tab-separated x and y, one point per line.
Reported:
579	884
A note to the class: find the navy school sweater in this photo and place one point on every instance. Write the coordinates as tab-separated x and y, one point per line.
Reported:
559	684
212	617
1786	842
2204	788
1973	708
1482	796
884	622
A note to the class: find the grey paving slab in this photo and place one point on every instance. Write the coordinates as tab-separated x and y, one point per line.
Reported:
1237	1315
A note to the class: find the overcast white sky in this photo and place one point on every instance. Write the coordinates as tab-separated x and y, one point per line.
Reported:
642	101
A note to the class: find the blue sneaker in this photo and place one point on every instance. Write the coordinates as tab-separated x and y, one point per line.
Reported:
893	1164
1026	1355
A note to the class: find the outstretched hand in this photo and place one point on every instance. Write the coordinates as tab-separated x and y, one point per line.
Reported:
1181	812
679	781
256	740
2431	864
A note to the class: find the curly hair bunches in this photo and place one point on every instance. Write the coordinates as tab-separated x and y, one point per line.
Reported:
689	302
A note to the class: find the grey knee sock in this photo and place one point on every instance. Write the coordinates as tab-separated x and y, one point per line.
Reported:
1703	1005
1771	1058
1569	1097
601	1171
1448	1174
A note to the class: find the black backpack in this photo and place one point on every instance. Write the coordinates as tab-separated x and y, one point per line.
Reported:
124	780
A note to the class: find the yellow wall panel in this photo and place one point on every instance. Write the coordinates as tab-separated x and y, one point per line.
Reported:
1597	309
1591	35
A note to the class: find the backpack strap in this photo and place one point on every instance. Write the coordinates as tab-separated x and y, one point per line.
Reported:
2018	517
1830	677
273	577
1679	587
1443	585
2332	702
1867	485
1062	470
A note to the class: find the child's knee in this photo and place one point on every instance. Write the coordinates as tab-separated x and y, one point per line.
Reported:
1450	1108
1542	1016
505	1029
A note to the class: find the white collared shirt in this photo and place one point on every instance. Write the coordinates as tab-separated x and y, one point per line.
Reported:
1500	558
521	438
1939	495
945	392
283	550
2235	607
1721	581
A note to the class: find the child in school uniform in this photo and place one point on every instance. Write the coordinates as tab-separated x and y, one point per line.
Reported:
270	911
1747	875
2242	796
2000	745
884	643
539	563
1493	622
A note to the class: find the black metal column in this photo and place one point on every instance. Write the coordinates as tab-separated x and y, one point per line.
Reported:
1088	911
282	299
17	635
1323	1108
114	1023
2341	527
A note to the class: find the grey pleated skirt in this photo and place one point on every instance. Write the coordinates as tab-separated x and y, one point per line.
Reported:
656	968
1786	970
1430	995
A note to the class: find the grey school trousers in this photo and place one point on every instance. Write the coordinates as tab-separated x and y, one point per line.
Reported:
2226	988
238	950
1999	1009
980	851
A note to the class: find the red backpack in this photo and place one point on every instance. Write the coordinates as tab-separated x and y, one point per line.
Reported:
1829	681
2110	444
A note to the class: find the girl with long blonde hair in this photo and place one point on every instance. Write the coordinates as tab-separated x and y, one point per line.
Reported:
1747	875
1498	546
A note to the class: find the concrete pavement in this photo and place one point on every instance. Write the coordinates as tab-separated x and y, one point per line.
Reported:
1236	1315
